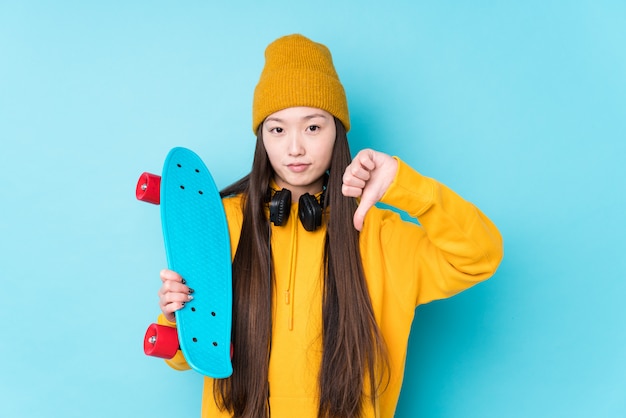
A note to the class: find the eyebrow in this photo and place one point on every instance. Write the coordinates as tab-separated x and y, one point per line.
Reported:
307	117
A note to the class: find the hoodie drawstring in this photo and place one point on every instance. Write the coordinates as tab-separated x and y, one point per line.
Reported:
292	273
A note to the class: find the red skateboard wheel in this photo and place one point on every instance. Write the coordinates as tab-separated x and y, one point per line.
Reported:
149	188
161	341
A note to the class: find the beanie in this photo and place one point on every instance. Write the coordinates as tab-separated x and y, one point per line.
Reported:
298	72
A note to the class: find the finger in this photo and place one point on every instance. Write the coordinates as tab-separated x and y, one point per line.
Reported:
170	286
351	178
359	169
358	173
354	180
169	311
175	297
350	191
366	159
171	302
359	214
171	308
166	274
173	282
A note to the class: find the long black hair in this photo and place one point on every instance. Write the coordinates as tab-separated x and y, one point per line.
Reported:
354	355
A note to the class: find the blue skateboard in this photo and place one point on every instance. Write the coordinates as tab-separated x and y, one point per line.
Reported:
197	245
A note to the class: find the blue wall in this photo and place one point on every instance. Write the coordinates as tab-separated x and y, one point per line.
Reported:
520	107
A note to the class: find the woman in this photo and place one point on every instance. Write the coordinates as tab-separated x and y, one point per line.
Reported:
325	284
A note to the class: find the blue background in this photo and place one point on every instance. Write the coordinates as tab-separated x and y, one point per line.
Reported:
519	106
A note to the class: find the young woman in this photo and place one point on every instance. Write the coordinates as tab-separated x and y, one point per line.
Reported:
325	284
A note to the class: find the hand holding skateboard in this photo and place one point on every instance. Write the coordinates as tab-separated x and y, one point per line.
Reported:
173	294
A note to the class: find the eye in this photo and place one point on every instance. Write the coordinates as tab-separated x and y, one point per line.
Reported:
313	128
276	130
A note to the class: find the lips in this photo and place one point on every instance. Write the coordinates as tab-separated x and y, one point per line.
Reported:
297	167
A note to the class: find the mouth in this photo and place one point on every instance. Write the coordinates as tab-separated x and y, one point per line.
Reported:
297	167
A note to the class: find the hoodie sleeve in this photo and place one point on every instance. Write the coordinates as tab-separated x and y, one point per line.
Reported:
454	247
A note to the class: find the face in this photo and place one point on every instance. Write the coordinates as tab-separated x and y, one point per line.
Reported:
299	142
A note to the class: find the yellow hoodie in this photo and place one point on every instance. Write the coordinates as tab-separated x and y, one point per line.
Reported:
405	265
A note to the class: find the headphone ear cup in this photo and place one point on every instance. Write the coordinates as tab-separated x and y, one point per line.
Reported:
309	212
280	206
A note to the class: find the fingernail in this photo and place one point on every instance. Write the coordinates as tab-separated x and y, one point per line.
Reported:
184	281
191	290
189	297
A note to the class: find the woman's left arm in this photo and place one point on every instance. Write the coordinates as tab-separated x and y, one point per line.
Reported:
455	246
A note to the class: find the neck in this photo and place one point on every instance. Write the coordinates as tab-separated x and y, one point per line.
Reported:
297	191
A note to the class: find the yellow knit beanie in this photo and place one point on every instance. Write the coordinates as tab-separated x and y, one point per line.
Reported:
298	72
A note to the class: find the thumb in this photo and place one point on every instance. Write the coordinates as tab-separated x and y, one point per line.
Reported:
365	204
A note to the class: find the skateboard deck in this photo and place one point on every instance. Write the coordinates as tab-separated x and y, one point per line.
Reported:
197	246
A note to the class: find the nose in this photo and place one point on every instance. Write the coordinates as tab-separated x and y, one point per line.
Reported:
296	144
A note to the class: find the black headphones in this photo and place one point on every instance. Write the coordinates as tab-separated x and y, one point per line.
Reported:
309	209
